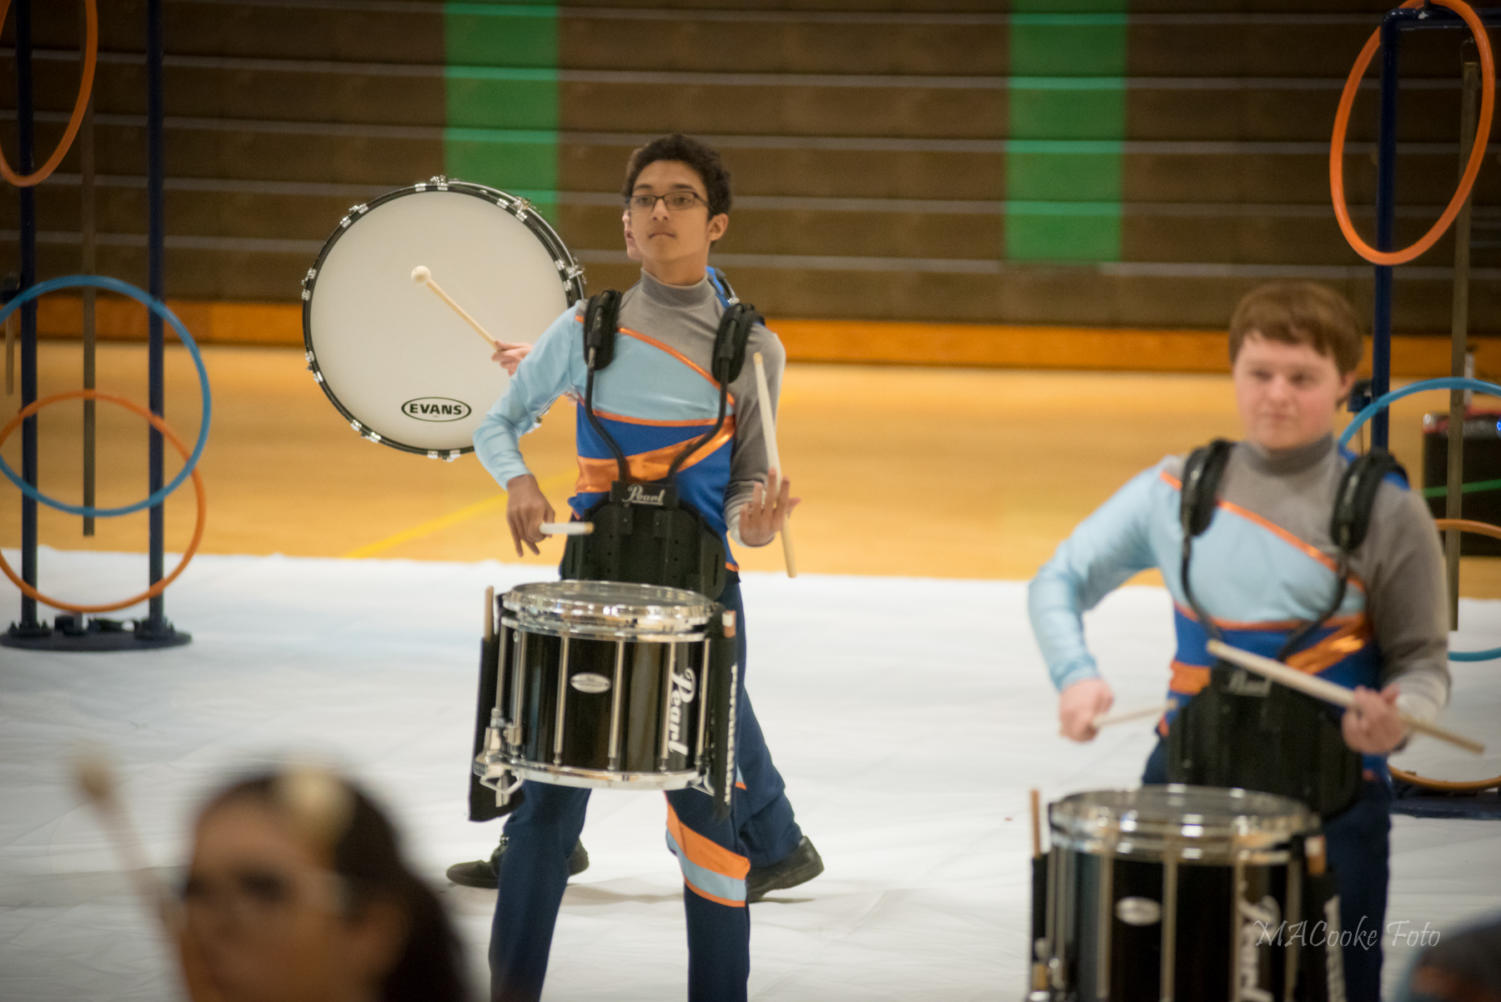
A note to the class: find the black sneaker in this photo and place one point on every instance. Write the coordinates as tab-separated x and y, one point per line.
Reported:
482	872
800	866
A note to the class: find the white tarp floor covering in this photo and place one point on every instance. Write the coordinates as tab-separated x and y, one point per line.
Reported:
910	718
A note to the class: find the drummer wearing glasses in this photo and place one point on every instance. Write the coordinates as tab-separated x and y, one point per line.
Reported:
655	397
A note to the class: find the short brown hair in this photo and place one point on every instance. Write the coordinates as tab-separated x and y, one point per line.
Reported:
1300	313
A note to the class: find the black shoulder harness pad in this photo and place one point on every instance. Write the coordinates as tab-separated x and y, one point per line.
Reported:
601	322
1356	497
730	340
1201	482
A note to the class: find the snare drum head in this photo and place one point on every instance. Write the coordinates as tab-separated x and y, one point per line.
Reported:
400	364
611	605
1152	818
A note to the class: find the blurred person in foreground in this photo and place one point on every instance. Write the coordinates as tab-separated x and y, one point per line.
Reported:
298	892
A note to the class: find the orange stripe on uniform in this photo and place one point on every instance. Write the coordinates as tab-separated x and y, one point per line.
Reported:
648	339
1289	538
1270	625
1188	679
706	852
1334	648
596	475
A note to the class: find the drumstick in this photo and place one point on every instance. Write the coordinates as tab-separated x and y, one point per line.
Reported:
422	276
489	613
1328	691
773	461
92	774
1036	823
567	528
1122	716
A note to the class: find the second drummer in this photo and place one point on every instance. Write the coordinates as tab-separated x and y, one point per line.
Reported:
654	398
1270	574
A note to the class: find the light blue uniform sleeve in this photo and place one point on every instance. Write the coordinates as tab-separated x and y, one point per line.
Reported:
553	366
1104	550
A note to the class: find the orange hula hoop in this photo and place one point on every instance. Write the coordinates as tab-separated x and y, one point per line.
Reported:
1472	166
170	436
1469	525
85	91
1450	785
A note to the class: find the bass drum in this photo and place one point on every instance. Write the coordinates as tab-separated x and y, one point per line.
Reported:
403	367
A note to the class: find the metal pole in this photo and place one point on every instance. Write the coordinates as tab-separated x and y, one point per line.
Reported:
1386	173
1458	332
89	262
155	233
29	625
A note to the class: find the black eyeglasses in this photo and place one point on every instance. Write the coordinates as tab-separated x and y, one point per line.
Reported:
258	894
676	201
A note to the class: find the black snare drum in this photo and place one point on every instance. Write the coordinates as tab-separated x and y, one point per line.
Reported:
1187	893
607	684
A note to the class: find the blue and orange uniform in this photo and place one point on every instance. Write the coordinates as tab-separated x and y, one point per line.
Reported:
1261	570
655	397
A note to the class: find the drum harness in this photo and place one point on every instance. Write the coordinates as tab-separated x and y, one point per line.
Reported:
643	534
641	531
1242	730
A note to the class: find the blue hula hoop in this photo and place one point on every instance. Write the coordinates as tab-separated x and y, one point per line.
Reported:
160	309
1385	400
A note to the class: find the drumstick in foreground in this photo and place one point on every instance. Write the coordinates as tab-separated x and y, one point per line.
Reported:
773	461
1122	716
92	774
422	276
1327	691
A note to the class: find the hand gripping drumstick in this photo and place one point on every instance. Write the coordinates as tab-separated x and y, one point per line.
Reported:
1327	691
422	276
773	461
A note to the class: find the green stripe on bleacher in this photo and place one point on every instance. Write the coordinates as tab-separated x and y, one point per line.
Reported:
501	91
1066	116
501	34
516	161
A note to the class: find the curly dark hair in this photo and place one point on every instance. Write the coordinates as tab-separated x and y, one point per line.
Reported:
702	158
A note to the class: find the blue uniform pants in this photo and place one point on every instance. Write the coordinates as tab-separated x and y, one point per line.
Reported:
1358	843
714	855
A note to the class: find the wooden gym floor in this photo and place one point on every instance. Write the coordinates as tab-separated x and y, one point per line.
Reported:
904	471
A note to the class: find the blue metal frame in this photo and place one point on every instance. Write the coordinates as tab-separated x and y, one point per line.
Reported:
24	153
1396	21
154	630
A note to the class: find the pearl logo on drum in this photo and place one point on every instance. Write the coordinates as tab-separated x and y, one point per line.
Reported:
436	409
684	687
590	683
1138	911
1256	919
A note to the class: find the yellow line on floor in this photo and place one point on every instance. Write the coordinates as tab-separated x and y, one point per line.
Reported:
464	514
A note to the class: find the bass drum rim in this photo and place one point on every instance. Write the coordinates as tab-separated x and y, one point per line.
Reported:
569	271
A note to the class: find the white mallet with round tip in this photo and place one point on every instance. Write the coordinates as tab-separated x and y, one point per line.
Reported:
423	275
